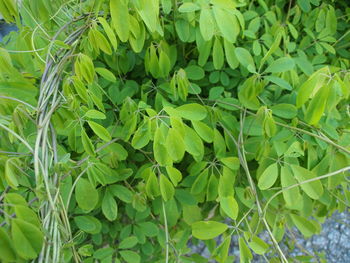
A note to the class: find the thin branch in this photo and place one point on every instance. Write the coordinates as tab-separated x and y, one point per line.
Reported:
345	169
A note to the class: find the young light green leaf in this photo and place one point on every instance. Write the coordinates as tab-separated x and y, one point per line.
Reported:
284	110
258	245
244	252
230	55
86	195
230	206
159	149
206	24
291	196
142	135
281	65
87	144
109	31
175	145
218	54
27	239
192	111
7	252
120	18
200	183
206	230
106	74
174	175
100	131
219	144
245	58
166	188
152	186
227	23
231	162
268	177
304	225
94	114
188	7
204	131
313	189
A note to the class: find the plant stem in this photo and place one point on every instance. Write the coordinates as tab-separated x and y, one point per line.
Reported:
166	234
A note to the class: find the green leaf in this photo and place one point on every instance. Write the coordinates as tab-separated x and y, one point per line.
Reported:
203	130
27	239
120	18
304	225
94	114
268	177
7	252
100	131
314	82
142	135
218	54
244	252
291	196
152	186
206	230
245	58
128	242
317	105
106	74
313	189
219	144
121	192
212	188
166	188
149	229
188	7
109	206
192	111
130	256
88	224
231	162
193	144
11	173
283	110
200	183
230	55
86	195
258	245
279	82
304	5
87	144
159	149
27	214
227	24
230	206
174	175
175	145
206	24
281	65
194	72
109	31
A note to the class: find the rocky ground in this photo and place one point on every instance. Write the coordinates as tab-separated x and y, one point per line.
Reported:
333	243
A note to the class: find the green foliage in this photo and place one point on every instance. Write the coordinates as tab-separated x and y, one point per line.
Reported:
132	129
